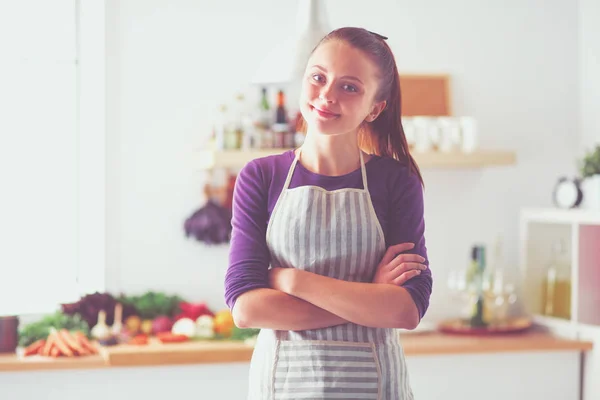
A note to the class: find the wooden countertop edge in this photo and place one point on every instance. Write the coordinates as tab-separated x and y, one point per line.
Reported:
37	363
458	344
425	344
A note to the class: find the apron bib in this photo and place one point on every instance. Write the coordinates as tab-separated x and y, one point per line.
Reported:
335	234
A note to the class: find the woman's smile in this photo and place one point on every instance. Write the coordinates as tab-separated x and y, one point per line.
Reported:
324	113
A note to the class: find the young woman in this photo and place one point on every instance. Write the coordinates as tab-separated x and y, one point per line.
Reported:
328	252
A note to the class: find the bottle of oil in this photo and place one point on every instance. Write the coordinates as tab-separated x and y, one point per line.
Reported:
281	126
478	318
264	124
220	129
556	290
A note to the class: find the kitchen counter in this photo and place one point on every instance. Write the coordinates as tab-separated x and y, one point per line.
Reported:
532	365
219	352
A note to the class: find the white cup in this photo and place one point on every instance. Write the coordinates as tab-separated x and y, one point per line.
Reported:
468	128
450	138
409	132
424	134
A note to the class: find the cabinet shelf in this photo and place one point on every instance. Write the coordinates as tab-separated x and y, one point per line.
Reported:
579	230
206	159
556	216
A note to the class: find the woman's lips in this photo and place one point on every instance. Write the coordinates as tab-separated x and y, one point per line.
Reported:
324	113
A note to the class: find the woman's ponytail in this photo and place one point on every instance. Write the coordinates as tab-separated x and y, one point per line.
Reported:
385	135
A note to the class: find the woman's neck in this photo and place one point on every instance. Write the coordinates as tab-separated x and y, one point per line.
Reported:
331	155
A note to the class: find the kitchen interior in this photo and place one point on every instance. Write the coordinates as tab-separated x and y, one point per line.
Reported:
173	98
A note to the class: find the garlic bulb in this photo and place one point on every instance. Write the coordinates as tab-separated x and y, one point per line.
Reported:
101	330
205	327
118	323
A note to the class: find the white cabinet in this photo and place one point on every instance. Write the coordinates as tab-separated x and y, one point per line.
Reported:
514	375
579	295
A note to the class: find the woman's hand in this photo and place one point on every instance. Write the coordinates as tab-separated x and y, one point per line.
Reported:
396	270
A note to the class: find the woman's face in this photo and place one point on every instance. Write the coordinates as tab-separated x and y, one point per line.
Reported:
338	89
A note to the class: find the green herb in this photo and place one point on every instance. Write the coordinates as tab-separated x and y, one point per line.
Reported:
590	165
41	329
243	334
236	334
154	304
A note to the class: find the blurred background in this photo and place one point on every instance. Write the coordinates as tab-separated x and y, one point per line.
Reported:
125	122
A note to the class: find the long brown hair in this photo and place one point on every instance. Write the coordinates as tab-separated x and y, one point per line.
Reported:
385	135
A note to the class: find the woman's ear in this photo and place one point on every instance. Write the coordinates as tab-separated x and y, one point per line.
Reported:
377	109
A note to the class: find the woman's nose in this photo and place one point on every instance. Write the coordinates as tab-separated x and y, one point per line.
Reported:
327	95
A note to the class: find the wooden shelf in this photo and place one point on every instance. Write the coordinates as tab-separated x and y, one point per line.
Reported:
206	159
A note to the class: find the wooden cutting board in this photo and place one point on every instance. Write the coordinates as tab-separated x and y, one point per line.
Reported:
192	352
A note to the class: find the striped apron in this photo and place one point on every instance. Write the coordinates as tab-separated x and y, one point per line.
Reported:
336	234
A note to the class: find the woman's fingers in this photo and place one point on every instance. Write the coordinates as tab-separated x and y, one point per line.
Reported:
398	268
404	267
405	271
392	251
403	278
399	274
405	258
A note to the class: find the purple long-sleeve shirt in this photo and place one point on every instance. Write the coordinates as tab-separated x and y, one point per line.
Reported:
396	194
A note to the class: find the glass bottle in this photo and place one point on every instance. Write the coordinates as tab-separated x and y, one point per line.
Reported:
264	109
238	136
496	304
281	127
230	129
264	121
478	319
220	134
556	289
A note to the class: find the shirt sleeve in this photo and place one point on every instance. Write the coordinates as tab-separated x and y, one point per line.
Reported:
249	256
407	224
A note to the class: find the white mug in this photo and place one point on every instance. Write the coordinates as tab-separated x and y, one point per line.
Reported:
468	128
450	134
423	134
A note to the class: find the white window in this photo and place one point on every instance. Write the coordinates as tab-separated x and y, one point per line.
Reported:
51	153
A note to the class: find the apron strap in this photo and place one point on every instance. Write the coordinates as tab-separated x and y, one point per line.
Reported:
363	171
288	179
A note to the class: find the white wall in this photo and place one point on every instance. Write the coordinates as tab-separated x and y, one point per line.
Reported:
171	62
589	77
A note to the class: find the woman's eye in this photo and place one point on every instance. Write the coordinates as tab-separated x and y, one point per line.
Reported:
317	78
349	88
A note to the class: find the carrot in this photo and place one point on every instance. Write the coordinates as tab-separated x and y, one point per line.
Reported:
172	338
48	345
139	340
72	342
83	341
34	348
54	352
62	346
